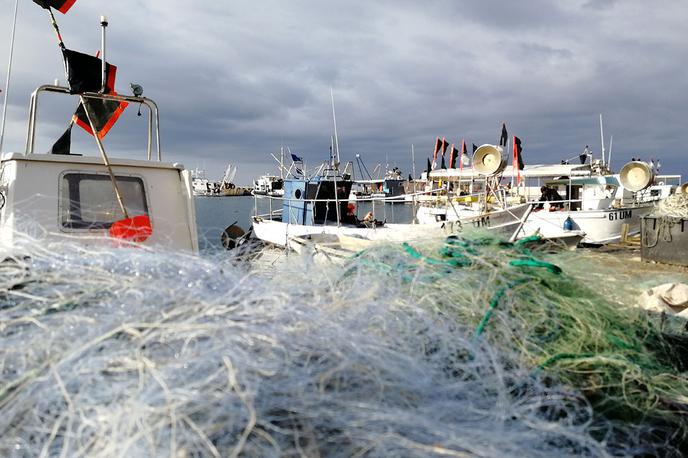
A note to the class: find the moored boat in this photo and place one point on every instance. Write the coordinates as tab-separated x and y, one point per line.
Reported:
70	196
581	197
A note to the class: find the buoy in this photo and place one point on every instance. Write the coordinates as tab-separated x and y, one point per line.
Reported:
232	236
568	224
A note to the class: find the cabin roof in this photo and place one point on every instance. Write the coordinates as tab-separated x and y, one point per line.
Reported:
529	171
91	160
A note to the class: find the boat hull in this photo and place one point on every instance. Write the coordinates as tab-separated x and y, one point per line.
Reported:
279	233
504	222
600	226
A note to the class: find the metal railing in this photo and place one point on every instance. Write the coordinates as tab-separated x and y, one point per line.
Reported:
153	115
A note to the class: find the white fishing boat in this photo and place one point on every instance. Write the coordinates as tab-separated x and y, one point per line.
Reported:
201	185
310	206
320	205
579	197
268	185
95	199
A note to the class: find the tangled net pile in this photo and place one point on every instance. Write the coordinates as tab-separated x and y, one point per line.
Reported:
457	348
676	205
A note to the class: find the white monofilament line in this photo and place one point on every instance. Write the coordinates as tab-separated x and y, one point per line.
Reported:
9	74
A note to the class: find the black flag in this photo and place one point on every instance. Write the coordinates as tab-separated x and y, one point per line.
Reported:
104	114
60	5
427	171
519	150
584	155
438	145
63	145
85	74
454	156
505	136
475	147
445	144
443	166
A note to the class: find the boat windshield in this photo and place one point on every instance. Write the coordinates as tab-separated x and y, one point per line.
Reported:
88	200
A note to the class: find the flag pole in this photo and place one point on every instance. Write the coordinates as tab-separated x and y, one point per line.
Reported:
9	74
103	26
106	161
602	140
118	194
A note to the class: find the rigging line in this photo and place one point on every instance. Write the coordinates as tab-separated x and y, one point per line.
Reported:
9	74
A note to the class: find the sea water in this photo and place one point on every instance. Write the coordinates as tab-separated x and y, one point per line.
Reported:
450	347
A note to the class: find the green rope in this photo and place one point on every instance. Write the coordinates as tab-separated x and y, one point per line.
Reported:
531	262
562	356
500	292
494	302
441	262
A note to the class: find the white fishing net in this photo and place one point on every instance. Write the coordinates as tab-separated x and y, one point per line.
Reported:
130	352
675	205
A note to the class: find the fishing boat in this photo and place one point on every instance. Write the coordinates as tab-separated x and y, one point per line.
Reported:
226	186
201	185
320	205
89	198
389	187
564	197
268	185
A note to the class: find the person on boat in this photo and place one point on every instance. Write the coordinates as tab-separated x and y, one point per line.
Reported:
351	214
549	195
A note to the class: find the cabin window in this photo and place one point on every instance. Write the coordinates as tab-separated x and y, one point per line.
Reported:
88	200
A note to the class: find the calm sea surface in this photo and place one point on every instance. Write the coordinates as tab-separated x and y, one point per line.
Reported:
215	214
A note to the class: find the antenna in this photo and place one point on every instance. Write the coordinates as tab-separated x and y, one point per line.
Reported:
9	74
336	138
609	157
602	138
103	25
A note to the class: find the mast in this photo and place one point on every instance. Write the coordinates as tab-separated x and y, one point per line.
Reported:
413	162
103	25
9	74
602	138
335	153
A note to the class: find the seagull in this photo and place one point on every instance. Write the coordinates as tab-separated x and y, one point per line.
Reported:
137	89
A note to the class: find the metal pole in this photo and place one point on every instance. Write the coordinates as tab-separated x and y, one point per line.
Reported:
602	138
118	194
9	74
103	24
334	119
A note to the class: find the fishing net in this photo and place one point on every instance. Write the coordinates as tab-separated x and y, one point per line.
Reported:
460	347
676	205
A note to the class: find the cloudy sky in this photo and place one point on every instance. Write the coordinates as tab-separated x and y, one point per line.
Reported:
236	79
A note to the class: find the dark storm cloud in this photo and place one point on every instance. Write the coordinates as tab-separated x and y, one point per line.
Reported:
235	80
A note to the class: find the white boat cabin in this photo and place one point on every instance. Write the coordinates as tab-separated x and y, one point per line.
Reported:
72	195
